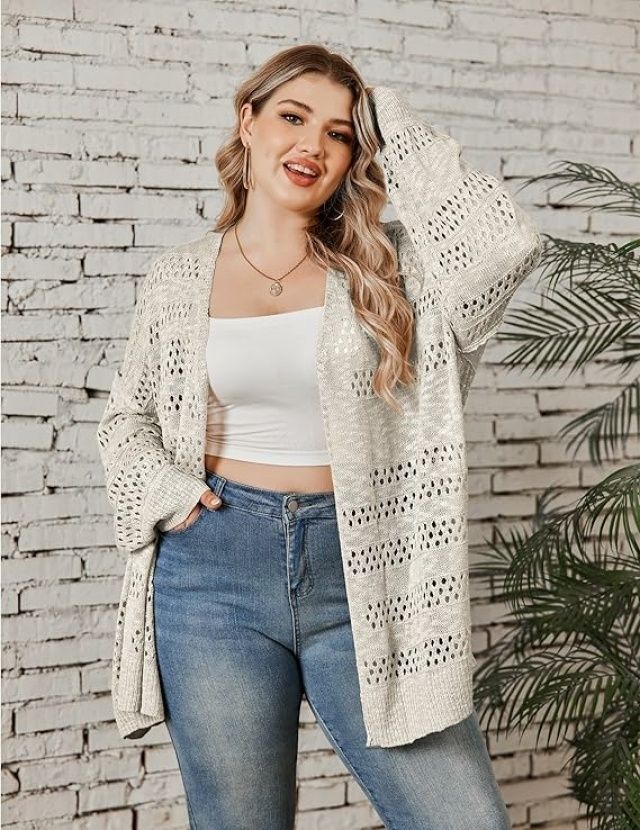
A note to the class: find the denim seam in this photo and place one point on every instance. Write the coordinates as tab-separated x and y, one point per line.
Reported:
306	558
348	763
290	595
252	512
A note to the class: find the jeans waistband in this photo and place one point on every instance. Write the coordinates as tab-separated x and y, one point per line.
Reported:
272	502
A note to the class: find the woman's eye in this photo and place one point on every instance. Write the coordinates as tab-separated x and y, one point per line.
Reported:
344	138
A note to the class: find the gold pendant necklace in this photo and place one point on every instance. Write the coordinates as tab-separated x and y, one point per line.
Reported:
276	287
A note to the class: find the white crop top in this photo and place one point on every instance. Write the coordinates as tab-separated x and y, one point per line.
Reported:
264	403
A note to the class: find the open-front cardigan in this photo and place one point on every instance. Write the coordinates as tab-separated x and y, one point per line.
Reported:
400	478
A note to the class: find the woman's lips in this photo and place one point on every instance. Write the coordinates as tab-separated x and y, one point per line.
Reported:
299	178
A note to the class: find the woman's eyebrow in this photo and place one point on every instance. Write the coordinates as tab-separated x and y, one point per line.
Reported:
309	110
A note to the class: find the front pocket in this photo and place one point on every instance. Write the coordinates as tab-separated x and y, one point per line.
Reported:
179	531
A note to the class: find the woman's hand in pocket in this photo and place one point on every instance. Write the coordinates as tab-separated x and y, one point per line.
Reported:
208	500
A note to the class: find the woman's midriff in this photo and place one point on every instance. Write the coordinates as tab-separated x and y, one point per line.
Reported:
287	479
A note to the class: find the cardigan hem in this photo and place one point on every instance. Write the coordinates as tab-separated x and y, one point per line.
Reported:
407	715
132	725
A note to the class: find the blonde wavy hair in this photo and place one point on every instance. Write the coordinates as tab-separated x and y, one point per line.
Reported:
355	244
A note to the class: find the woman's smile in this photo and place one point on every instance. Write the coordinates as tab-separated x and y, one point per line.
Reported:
299	178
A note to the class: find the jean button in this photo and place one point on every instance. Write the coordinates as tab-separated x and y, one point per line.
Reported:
293	505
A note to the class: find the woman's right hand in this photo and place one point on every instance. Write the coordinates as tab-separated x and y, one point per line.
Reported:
210	502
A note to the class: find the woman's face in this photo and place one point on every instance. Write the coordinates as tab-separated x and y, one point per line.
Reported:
317	130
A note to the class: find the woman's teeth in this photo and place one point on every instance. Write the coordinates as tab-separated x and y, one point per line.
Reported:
300	171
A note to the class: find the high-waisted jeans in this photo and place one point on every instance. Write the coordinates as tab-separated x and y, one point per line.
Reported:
250	612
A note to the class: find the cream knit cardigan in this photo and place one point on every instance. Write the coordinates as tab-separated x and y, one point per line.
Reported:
400	479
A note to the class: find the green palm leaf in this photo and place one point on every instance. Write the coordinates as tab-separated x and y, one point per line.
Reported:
576	327
607	427
594	182
568	261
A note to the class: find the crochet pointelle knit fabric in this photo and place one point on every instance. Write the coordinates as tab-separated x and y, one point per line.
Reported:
400	479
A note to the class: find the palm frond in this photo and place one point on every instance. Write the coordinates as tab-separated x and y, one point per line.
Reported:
576	327
595	183
572	262
610	742
607	427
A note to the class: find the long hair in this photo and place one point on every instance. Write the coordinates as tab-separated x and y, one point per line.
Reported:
355	244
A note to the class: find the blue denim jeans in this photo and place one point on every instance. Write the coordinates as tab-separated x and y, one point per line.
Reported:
250	613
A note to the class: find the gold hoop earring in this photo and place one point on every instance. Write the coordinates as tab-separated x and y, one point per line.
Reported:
335	198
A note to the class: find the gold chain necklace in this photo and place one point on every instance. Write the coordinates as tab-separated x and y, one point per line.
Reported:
276	287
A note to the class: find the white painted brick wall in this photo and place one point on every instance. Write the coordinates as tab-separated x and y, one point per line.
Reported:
112	114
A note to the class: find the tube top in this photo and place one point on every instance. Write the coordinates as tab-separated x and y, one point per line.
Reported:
263	403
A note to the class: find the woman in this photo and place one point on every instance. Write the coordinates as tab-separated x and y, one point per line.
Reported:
292	525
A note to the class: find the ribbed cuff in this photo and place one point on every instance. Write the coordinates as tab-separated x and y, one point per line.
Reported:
133	725
173	496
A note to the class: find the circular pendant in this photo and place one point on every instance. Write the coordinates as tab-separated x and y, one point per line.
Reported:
276	288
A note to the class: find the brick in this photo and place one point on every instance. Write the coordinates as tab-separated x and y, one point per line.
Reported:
26	687
180	176
501	455
479	403
80	173
37	203
21	476
481	507
33	806
555	400
506	25
54	9
43	72
542	427
18	266
351	817
132	78
78	234
27	747
41	569
9	103
586	141
27	435
20	327
385	11
186	47
133	206
103	796
72	41
122	13
592	31
590	85
61	595
6	232
321	794
81	771
617	9
445	48
29	402
508	481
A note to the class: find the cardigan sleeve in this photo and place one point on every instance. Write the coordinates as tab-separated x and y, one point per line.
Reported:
144	486
464	226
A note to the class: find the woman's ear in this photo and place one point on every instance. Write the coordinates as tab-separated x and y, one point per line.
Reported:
246	119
